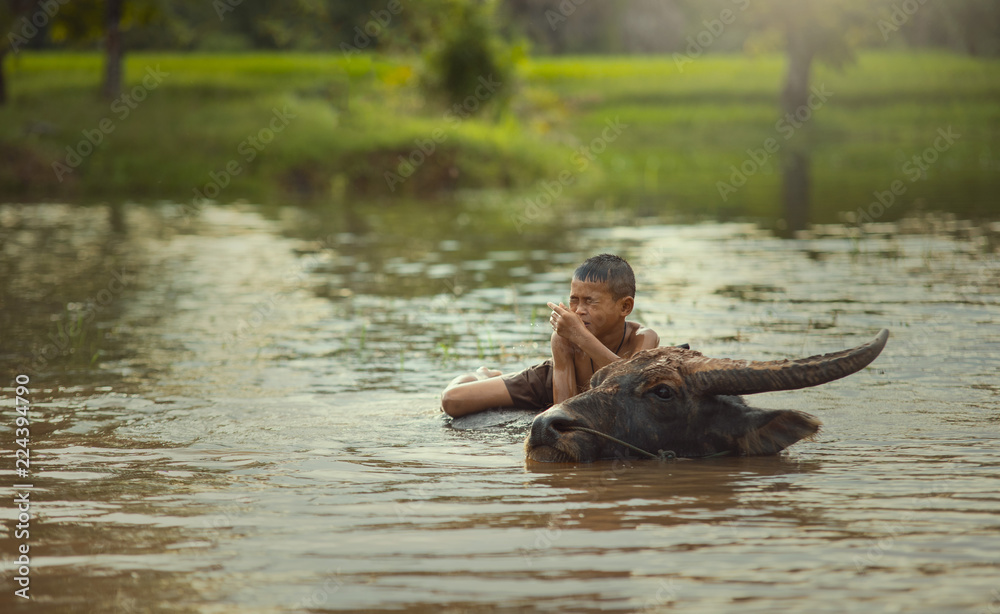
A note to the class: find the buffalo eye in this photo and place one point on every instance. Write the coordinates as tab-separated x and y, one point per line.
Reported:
662	392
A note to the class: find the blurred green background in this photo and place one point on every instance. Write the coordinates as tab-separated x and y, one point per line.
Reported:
783	112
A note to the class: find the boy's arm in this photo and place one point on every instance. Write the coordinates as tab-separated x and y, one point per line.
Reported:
602	356
563	369
572	329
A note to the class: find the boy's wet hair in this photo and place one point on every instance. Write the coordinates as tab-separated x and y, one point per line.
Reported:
609	269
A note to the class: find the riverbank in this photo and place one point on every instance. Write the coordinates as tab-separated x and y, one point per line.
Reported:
256	126
653	135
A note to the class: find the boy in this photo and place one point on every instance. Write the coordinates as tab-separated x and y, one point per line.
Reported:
587	335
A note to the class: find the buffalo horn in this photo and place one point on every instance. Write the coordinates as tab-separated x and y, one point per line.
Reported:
736	377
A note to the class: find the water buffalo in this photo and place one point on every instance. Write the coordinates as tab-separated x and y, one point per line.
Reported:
674	399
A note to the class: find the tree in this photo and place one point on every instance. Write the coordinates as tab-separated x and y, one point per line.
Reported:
469	57
88	21
809	30
12	14
112	84
967	26
300	24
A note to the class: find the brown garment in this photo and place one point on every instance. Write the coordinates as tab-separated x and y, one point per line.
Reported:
532	387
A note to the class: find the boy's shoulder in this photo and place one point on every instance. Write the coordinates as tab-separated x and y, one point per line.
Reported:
646	338
639	327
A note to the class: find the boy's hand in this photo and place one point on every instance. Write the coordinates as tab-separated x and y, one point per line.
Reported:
566	323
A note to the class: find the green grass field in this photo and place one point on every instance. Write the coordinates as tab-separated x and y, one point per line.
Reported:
346	122
687	127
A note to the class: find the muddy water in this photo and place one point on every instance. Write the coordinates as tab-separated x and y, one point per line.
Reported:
246	419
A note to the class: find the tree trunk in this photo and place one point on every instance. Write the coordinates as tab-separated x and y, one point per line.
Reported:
795	190
3	80
113	51
800	57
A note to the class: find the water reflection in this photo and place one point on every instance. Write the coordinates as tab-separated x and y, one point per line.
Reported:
65	271
684	493
260	429
795	186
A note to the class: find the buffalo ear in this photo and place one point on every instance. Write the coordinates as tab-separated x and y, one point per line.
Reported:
778	429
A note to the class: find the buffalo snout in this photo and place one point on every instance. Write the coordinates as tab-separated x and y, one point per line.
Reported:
550	425
552	437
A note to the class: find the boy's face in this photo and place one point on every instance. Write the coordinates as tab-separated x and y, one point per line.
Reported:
593	302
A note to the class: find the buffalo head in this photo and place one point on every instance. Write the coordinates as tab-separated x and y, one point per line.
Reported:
675	399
